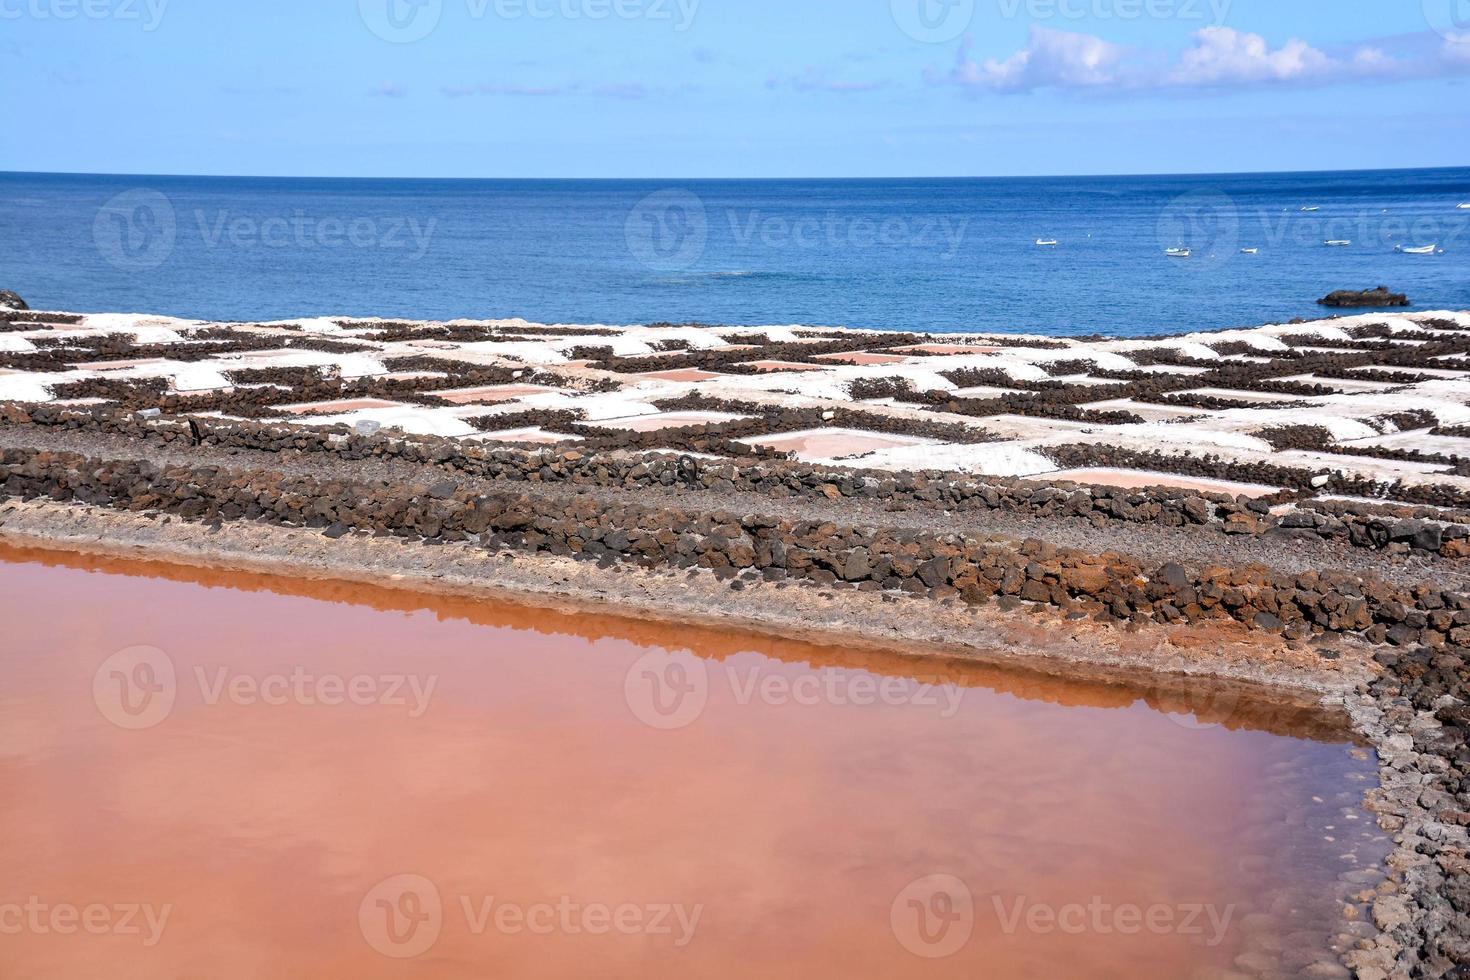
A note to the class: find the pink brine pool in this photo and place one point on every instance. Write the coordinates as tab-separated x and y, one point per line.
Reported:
352	782
490	394
834	443
338	407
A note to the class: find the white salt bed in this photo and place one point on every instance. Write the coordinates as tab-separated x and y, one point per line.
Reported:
984	459
1454	316
411	419
698	338
13	343
622	344
313	325
524	352
1380	469
155	335
199	376
597	407
1106	360
1418	441
26	387
137	324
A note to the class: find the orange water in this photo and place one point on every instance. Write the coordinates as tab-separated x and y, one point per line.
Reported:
566	795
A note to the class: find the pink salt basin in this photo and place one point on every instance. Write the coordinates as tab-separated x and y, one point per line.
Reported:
490	394
338	407
1138	479
119	365
834	443
679	374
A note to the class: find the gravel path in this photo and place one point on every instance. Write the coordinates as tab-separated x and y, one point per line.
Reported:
1191	546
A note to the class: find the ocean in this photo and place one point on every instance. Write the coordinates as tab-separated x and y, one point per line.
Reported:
932	254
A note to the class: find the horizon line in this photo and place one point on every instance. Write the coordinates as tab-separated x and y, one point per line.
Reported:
1059	176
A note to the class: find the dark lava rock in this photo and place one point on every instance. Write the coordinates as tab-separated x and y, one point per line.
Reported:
1268	621
1356	299
335	531
1173	575
11	301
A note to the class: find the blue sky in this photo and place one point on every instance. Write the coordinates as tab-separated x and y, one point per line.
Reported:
743	88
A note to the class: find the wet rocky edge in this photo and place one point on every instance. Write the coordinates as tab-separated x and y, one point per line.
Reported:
1415	713
1434	529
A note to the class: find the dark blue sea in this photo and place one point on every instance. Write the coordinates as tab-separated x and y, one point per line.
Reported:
912	254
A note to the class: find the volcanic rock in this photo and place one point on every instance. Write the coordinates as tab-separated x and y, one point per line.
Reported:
1354	299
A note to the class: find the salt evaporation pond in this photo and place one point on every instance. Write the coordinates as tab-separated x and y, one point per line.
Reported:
234	775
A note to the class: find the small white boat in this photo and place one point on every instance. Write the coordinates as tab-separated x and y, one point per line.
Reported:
1311	209
1338	243
1463	207
1046	241
1249	251
1416	249
1178	253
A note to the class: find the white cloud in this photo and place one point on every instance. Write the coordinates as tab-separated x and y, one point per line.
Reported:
1050	58
1222	55
1217	57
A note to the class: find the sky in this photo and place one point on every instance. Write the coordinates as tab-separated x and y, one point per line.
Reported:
732	88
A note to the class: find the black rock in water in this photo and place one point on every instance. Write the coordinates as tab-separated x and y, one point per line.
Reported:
11	301
1355	299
